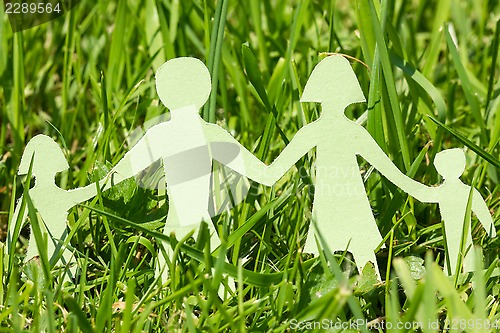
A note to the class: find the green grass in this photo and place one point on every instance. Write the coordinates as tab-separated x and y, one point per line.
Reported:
87	80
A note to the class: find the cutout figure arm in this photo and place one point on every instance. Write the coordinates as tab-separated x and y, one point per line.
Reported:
305	140
228	151
85	193
371	152
142	155
480	208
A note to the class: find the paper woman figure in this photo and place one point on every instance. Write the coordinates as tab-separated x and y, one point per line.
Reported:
452	197
51	202
187	145
341	208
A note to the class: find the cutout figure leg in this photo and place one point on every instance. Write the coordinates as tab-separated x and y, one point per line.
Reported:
469	261
453	252
54	246
362	257
311	246
453	241
172	226
181	232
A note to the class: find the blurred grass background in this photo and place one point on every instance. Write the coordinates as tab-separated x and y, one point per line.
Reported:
429	71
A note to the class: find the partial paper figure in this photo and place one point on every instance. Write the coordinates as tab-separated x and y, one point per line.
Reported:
452	197
51	202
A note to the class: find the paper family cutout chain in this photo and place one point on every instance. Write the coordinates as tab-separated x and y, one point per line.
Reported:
187	147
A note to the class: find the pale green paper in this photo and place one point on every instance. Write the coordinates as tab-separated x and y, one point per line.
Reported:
452	197
341	208
51	202
187	145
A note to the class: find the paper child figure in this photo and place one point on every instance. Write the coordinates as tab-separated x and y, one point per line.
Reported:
452	197
341	208
51	202
187	145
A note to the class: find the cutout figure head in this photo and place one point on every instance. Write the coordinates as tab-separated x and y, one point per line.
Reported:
183	82
450	163
48	160
333	83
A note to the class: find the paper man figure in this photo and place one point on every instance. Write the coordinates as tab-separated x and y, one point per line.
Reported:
187	145
341	208
51	202
452	197
228	188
